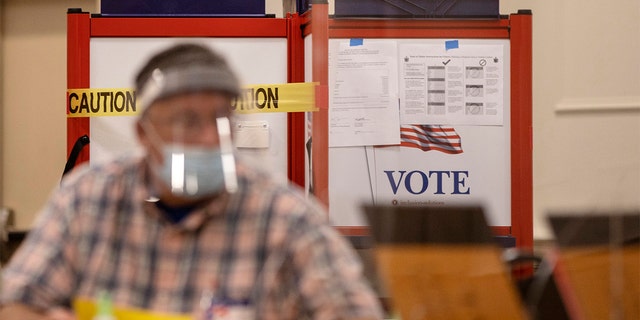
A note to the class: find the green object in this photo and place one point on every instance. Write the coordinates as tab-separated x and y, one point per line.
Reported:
105	307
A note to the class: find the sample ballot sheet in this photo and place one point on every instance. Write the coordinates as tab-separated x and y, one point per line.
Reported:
451	85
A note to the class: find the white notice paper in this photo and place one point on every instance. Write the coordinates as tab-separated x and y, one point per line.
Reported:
440	84
252	134
363	86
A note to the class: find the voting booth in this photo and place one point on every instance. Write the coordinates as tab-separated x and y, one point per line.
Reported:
105	52
422	112
423	115
409	112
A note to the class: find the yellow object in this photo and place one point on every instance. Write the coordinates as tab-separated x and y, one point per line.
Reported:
86	309
284	97
258	98
101	102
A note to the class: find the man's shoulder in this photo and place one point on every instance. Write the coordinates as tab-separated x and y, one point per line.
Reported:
283	197
258	181
120	167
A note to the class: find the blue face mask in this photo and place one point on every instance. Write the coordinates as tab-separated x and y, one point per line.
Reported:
192	171
195	171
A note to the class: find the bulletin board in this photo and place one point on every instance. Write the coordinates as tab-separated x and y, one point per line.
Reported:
490	159
107	51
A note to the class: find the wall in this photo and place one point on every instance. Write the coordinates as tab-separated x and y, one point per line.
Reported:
586	101
1	95
33	104
586	113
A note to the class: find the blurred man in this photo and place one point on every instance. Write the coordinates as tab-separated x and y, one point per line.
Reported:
186	228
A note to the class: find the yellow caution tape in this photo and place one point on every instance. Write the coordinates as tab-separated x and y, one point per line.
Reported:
261	98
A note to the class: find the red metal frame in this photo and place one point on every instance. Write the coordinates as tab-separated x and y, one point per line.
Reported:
517	28
320	122
187	27
82	27
364	231
78	28
377	28
522	129
295	120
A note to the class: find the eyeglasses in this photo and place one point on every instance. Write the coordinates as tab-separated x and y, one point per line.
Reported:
187	125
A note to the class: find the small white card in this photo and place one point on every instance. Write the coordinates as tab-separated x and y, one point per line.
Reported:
252	134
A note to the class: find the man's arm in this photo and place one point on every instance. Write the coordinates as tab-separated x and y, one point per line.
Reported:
20	311
24	312
327	263
40	276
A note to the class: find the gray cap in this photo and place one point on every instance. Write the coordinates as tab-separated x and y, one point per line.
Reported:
182	69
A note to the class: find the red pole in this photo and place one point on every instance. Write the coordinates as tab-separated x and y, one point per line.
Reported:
320	69
295	120
521	129
78	35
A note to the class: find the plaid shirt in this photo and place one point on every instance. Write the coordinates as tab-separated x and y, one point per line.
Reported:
265	245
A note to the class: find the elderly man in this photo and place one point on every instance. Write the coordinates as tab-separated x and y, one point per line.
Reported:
186	228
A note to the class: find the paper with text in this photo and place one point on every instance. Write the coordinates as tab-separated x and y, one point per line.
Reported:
363	90
443	85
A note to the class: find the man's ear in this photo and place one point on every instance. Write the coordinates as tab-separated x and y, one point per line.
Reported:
146	139
141	133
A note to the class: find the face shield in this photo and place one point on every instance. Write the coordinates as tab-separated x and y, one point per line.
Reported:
186	118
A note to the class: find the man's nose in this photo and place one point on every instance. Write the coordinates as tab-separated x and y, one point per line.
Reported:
209	134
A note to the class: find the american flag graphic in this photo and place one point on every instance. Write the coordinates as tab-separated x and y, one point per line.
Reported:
431	137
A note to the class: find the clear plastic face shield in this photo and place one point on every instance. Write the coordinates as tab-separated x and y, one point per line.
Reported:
186	121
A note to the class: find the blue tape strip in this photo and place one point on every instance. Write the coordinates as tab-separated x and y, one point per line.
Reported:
356	42
451	44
